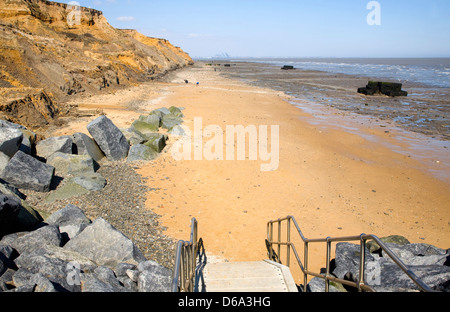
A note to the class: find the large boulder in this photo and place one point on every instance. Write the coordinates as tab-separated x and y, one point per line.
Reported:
24	171
9	211
105	245
109	138
142	152
429	263
66	164
156	141
154	277
175	111
392	239
347	261
102	279
393	279
10	140
47	235
85	145
46	148
9	124
153	121
27	218
169	121
28	142
70	220
133	137
46	263
141	127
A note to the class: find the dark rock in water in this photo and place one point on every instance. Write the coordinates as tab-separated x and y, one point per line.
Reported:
24	171
287	67
386	88
109	138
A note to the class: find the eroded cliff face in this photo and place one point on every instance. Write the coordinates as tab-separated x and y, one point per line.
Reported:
50	51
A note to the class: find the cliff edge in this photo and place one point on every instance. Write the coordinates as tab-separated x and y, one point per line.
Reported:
51	51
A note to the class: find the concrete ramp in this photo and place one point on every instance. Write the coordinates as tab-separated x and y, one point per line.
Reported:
261	276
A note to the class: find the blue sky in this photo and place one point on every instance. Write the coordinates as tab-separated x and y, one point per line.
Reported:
288	28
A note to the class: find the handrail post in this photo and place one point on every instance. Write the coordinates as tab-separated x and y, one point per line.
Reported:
362	262
305	275
288	237
270	239
279	241
328	258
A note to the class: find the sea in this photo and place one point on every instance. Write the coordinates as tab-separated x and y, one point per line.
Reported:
318	84
429	71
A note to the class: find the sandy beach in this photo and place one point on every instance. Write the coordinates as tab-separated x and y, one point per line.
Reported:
334	182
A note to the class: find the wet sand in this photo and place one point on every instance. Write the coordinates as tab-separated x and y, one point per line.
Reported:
334	181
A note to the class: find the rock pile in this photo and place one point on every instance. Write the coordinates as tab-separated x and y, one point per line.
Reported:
429	263
69	253
42	255
28	165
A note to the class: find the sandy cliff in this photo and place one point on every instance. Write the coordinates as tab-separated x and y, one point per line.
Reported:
44	59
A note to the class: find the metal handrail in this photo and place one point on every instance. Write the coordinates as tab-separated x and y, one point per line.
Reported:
327	276
184	275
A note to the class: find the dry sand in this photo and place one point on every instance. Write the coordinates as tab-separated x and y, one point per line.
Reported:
334	182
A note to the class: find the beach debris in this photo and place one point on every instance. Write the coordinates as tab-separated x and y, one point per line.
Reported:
387	88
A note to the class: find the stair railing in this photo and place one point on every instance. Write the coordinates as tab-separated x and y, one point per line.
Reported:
360	285
184	275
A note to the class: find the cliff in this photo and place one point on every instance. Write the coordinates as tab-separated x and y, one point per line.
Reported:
50	51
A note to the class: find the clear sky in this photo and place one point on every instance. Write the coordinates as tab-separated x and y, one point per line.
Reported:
288	28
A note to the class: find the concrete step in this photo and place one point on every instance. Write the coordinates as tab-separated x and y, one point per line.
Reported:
261	276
